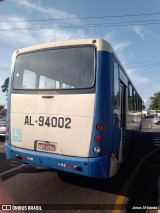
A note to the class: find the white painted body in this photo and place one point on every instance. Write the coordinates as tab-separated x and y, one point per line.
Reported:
74	141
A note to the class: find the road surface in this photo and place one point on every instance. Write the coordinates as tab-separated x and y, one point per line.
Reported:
137	183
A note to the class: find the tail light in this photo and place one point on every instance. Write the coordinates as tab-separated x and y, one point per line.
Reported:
100	127
98	138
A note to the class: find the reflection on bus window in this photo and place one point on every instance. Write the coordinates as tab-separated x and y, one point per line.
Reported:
48	83
116	88
29	79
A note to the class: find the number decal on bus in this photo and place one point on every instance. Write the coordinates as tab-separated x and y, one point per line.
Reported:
67	125
54	122
60	122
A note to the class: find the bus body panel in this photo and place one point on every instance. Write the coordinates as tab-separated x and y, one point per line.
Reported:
103	109
65	121
98	167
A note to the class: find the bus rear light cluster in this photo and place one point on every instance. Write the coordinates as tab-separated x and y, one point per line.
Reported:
7	119
98	138
100	128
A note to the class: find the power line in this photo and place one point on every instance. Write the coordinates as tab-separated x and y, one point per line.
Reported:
143	72
83	18
149	68
148	62
3	69
112	24
7	68
147	65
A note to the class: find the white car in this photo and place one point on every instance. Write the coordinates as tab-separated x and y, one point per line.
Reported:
156	119
2	126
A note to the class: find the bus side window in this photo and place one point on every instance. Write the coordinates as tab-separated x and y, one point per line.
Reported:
134	100
130	97
140	104
116	88
137	102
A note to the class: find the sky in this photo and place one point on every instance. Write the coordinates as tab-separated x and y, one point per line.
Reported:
131	27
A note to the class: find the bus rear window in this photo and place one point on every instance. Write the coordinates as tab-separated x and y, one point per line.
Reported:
68	68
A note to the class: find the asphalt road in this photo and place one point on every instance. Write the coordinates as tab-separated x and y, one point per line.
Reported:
137	183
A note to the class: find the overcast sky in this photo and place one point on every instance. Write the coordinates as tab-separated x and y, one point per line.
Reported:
132	28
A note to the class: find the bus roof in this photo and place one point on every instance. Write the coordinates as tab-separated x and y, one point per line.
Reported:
101	44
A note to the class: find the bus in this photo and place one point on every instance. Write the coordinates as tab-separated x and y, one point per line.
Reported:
71	107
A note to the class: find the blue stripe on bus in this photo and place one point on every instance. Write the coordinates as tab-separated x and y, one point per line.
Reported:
100	167
103	104
93	167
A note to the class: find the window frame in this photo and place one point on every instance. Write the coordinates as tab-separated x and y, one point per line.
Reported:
59	89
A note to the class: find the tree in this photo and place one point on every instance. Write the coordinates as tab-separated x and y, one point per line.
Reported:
5	86
143	107
2	108
155	101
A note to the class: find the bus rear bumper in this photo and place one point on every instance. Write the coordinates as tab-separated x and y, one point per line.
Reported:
98	167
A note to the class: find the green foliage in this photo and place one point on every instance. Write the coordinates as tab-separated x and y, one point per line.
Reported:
143	107
155	101
5	86
2	107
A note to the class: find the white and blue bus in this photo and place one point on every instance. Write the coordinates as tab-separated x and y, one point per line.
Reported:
71	107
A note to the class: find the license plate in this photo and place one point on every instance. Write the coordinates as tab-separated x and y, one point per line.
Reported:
46	147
